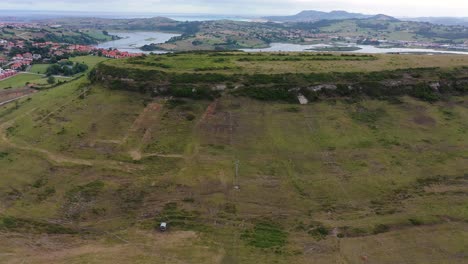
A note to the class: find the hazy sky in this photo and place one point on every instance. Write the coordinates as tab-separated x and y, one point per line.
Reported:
390	7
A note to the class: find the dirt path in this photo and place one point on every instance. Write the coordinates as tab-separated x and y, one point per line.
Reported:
10	95
60	158
142	130
56	157
14	99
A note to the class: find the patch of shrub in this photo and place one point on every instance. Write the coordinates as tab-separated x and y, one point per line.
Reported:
424	92
188	200
448	115
26	225
369	116
193	92
267	93
381	228
88	191
10	131
265	235
8	222
318	231
415	222
48	191
348	231
190	117
179	218
4	155
388	142
392	100
173	103
230	208
40	182
364	144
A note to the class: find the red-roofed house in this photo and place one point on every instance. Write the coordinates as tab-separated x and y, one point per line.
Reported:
17	57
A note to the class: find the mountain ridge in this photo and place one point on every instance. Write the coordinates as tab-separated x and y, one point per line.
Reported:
313	15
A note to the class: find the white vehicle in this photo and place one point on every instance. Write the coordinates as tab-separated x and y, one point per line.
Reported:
163	227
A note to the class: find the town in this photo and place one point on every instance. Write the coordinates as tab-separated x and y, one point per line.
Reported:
18	54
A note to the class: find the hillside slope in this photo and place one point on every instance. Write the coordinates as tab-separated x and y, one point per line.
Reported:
89	172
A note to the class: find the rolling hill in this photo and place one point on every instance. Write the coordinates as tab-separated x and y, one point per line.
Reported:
312	15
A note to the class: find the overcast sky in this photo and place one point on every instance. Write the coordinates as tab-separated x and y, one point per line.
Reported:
391	7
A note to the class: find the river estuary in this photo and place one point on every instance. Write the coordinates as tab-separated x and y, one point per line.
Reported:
132	41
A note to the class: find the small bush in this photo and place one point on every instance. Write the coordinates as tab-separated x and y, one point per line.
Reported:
381	228
415	222
8	222
49	191
319	232
190	117
40	182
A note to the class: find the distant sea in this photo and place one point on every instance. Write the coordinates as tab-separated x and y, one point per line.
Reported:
28	16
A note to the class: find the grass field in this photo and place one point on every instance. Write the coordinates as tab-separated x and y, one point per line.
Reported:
39	68
329	182
23	79
20	80
243	63
91	61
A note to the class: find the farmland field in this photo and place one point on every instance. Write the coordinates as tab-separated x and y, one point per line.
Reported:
238	180
19	80
39	68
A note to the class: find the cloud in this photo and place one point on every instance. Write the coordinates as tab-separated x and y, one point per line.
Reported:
394	7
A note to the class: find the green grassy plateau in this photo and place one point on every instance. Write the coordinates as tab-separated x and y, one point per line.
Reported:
88	173
280	63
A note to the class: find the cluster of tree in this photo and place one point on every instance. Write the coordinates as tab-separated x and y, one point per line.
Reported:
66	68
6	32
80	38
274	93
150	47
374	26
